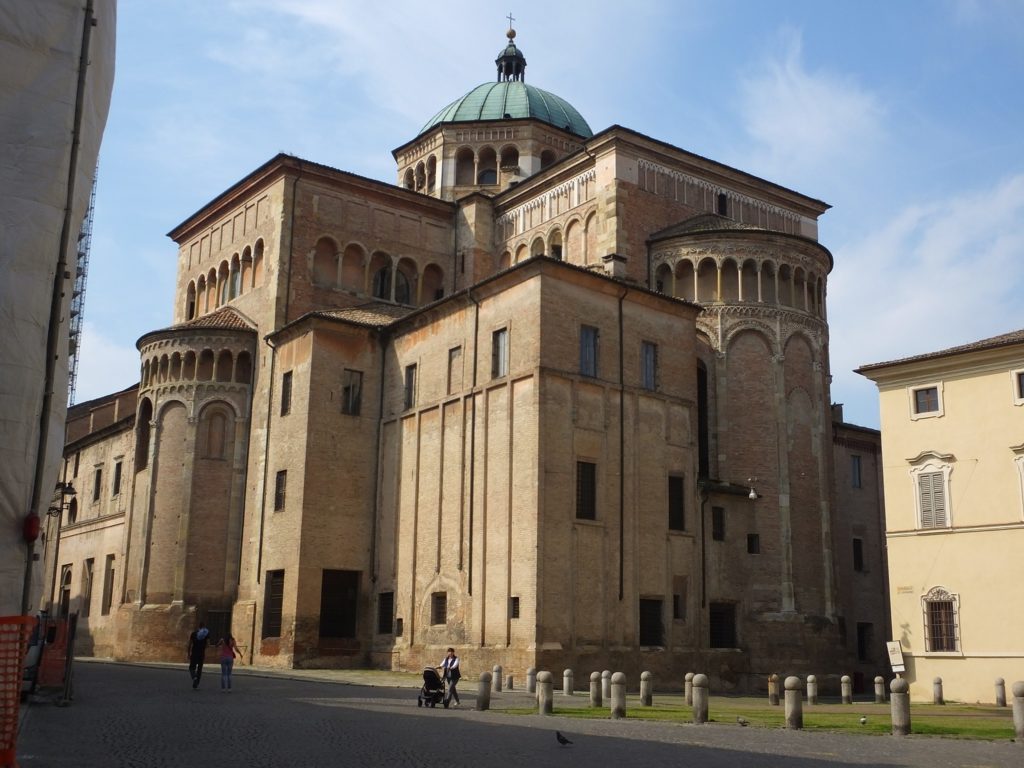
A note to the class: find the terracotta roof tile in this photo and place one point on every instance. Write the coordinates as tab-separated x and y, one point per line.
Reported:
225	317
377	314
1003	340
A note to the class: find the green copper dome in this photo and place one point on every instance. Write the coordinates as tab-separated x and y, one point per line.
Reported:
511	99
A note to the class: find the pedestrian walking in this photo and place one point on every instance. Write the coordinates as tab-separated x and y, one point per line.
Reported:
196	652
450	674
228	653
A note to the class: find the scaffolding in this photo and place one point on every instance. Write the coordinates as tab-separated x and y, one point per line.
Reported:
78	292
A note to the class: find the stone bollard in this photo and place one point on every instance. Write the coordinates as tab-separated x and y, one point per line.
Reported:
1000	692
496	680
900	705
531	680
794	704
879	690
483	692
646	690
595	689
773	690
688	688
812	689
545	693
508	682
618	698
937	691
606	684
847	688
1018	710
567	682
700	699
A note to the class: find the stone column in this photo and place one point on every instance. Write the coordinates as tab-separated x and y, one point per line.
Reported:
700	699
937	691
567	682
606	684
531	680
688	688
595	689
812	690
1000	692
618	697
794	704
773	690
646	690
847	689
483	692
545	693
1018	710
900	705
879	690
496	680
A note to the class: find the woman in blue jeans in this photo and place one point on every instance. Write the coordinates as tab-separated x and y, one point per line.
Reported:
228	653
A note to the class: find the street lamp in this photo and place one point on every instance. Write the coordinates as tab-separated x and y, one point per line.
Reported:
67	495
753	495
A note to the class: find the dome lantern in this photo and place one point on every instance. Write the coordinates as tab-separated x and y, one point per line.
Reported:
511	62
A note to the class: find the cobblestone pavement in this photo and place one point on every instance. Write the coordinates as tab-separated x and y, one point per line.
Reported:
142	716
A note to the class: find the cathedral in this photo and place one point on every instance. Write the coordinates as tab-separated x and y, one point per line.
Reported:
556	398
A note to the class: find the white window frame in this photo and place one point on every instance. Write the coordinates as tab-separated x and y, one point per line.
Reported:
941	594
928	464
1018	460
1015	386
912	401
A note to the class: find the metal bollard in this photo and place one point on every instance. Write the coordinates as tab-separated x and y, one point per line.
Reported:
812	690
508	682
618	696
646	692
567	682
483	692
531	680
595	689
700	699
1000	692
794	704
900	706
937	691
1018	710
688	688
606	684
879	690
773	690
846	686
545	693
496	681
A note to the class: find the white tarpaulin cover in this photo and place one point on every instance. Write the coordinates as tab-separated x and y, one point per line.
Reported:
41	44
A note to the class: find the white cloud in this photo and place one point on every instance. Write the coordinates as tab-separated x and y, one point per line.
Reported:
802	121
104	365
935	275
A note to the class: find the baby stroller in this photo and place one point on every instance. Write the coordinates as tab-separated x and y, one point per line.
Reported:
432	692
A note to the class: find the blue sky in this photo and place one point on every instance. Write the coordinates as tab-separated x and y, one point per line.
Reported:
905	116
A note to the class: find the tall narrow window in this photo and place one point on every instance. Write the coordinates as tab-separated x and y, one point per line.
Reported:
97	483
588	350
676	504
439	608
753	544
858	554
410	386
941	621
385	613
722	625
273	603
586	490
339	603
718	523
499	353
931	489
865	640
351	392
286	393
723	204
117	478
652	630
513	607
649	366
679	598
108	585
454	370
280	489
1020	384
855	478
65	591
87	571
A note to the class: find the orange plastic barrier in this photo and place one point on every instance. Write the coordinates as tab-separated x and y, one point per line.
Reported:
14	634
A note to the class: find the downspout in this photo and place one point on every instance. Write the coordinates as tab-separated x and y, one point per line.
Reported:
53	333
622	451
383	338
472	441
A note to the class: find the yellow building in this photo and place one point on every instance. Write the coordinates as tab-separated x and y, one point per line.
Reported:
953	447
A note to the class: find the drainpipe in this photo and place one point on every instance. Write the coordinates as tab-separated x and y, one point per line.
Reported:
622	451
382	343
472	443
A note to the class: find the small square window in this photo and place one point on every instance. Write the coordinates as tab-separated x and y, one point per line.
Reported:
926	401
439	608
753	544
718	523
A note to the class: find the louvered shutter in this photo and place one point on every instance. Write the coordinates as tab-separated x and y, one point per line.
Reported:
932	489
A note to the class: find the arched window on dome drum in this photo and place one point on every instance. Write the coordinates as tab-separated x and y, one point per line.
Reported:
464	162
382	283
510	159
573	248
405	281
222	283
243	368
352	272
235	279
211	291
487	167
768	283
142	422
555	245
663	280
325	262
200	297
547	157
190	301
257	263
409	182
707	280
176	367
786	286
748	282
163	369
431	175
188	371
432	284
225	363
421	176
730	280
537	248
246	270
205	368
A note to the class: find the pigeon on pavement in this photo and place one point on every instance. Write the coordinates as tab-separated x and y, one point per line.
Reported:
561	739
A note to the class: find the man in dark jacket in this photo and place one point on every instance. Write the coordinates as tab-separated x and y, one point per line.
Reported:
196	652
